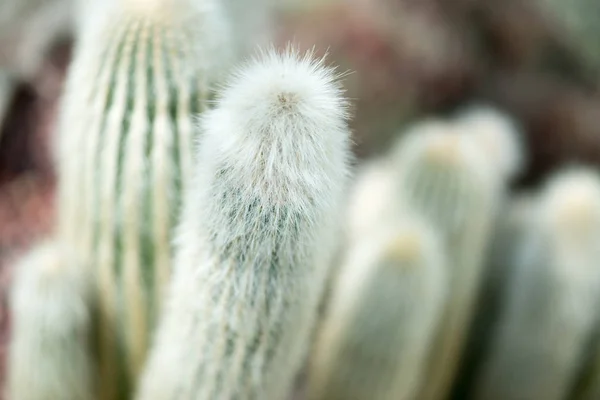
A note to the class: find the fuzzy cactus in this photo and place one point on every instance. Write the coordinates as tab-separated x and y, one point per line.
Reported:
443	176
142	71
51	302
553	296
257	235
386	305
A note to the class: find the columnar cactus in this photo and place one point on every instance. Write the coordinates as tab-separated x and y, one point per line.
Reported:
512	227
50	353
444	177
386	304
553	297
141	73
256	237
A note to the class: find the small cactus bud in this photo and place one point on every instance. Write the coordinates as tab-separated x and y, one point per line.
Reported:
50	353
257	235
386	306
553	296
141	73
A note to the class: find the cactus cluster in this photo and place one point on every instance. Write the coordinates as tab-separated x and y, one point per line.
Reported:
201	252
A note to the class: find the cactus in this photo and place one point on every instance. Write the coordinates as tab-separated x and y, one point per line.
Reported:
553	296
386	305
443	176
256	237
50	353
512	227
142	71
498	137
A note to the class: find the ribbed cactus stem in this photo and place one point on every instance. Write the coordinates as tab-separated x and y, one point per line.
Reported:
139	78
257	235
553	296
50	353
444	177
375	339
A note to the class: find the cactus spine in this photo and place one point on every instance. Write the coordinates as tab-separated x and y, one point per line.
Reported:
383	317
553	297
256	236
50	351
141	73
444	178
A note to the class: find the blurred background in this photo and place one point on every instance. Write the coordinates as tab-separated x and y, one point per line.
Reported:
538	61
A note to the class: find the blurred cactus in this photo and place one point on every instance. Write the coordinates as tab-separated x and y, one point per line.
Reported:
50	354
553	296
386	306
142	71
444	177
498	137
256	237
512	227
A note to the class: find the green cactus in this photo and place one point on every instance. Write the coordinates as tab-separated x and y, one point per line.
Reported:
553	295
443	177
383	316
141	73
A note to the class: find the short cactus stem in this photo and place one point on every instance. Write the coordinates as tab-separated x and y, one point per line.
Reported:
386	305
444	178
140	76
257	235
552	298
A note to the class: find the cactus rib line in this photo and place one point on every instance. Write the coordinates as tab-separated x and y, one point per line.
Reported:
132	184
107	318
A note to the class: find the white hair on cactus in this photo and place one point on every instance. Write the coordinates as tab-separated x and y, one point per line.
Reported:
50	354
387	301
498	136
257	234
553	296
